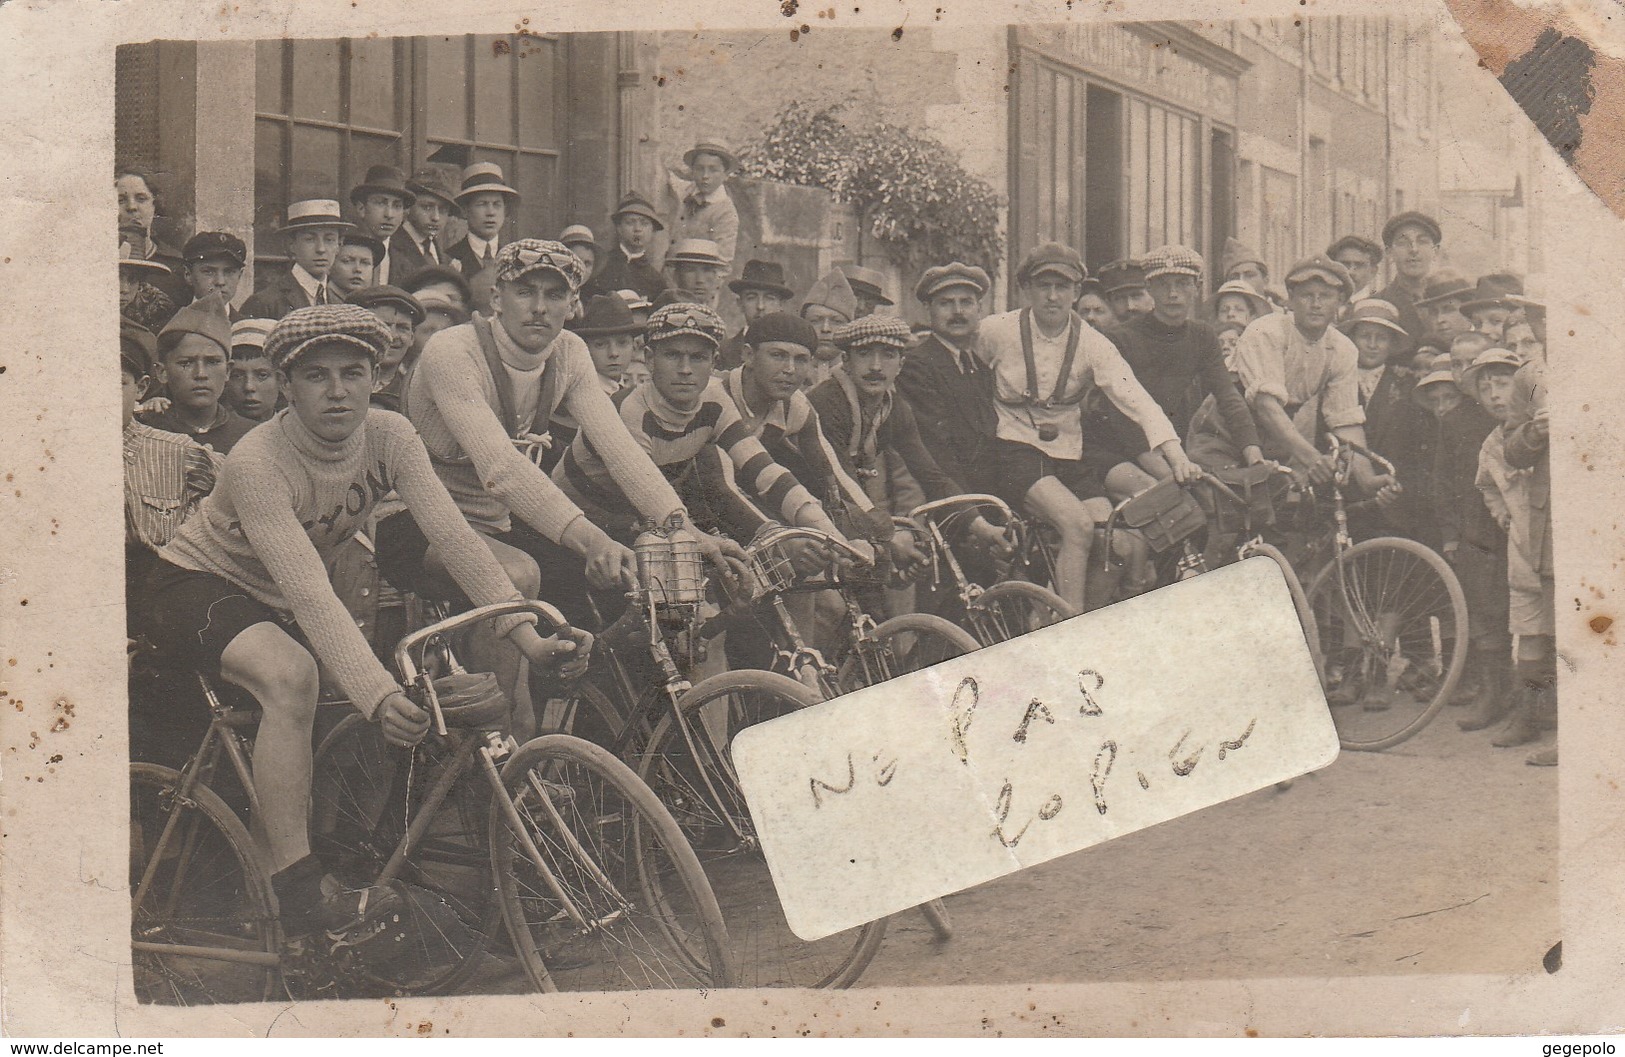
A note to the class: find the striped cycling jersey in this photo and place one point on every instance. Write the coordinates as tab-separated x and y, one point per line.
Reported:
680	443
794	425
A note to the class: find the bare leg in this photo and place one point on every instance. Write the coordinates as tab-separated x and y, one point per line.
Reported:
1075	519
281	674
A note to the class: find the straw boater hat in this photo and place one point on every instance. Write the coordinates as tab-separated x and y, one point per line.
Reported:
868	283
1240	288
578	235
383	180
481	177
315	213
1378	312
730	161
251	333
132	250
767	276
696	251
1496	357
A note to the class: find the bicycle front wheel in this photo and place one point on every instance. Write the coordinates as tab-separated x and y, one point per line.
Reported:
688	765
201	920
1393	630
598	886
1012	608
901	645
364	794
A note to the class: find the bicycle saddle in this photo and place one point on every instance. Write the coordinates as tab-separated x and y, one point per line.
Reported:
473	701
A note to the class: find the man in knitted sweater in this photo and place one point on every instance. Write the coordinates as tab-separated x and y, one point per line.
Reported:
242	589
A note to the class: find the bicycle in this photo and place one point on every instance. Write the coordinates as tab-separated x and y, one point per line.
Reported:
591	876
1009	607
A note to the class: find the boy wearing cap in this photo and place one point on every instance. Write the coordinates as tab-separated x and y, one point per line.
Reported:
829	305
1045	362
705	209
142	281
353	266
1299	374
242	591
484	198
761	291
1411	241
1236	302
415	245
381	201
948	388
695	268
214	265
313	235
400	313
1440	306
194	349
581	242
481	387
627	265
251	388
1360	257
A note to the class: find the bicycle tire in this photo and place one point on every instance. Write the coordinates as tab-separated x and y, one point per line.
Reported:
1300	600
1398	568
1014	607
354	829
768	953
621	858
891	653
209	892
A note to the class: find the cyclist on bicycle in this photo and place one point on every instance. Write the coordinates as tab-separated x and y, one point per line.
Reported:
243	591
1046	360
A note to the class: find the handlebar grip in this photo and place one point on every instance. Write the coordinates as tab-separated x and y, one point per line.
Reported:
545	614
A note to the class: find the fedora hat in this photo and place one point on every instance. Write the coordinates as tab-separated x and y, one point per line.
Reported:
634	204
315	213
481	177
382	180
1445	283
1492	292
767	276
867	283
430	182
606	315
730	160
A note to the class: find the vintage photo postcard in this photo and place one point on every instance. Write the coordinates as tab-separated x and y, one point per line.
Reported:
863	520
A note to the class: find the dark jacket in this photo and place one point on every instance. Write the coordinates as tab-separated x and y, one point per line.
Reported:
462	257
276	299
952	410
618	273
405	259
899	433
1409	317
1459	508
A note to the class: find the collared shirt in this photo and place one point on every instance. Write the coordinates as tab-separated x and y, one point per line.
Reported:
964	359
1315	381
424	243
166	476
381	270
1098	362
224	431
308	283
480	246
633	258
1369	378
712	217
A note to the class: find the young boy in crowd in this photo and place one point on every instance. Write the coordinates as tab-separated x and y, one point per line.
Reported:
706	210
353	266
194	349
695	268
251	388
401	315
627	265
761	292
828	306
313	234
214	265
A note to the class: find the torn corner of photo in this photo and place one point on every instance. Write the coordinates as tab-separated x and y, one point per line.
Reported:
983	765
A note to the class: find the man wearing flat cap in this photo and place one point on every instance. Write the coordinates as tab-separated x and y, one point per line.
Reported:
1045	362
400	313
1411	241
949	389
1300	375
704	208
1123	284
627	265
415	245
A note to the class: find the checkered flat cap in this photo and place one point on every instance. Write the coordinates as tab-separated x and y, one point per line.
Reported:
301	330
1173	260
874	330
520	258
684	317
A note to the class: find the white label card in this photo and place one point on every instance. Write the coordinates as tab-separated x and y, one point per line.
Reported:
1098	726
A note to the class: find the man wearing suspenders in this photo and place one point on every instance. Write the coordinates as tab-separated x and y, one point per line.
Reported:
1045	361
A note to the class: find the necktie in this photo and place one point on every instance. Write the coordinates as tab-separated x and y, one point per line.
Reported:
691	206
321	294
967	362
431	251
489	256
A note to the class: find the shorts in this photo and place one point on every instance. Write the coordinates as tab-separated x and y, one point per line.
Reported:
1532	597
1017	467
193	616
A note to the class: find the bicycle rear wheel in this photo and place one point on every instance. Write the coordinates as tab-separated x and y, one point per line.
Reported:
364	794
1393	629
648	916
195	882
693	775
1012	608
901	645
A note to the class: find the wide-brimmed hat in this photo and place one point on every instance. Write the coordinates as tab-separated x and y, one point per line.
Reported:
1355	242
781	326
481	177
138	347
430	182
635	301
1172	260
958	273
766	276
730	160
374	296
635	204
523	256
696	251
133	246
301	330
1052	257
251	333
1241	288
206	317
315	213
1376	311
1496	357
833	292
1321	266
874	330
1121	275
1491	292
578	235
1436	378
684	317
1445	283
605	315
383	180
867	283
1411	216
206	245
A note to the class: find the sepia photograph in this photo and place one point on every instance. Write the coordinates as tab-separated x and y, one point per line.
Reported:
511	420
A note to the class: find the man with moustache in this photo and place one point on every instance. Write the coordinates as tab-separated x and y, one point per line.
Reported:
1123	283
949	390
